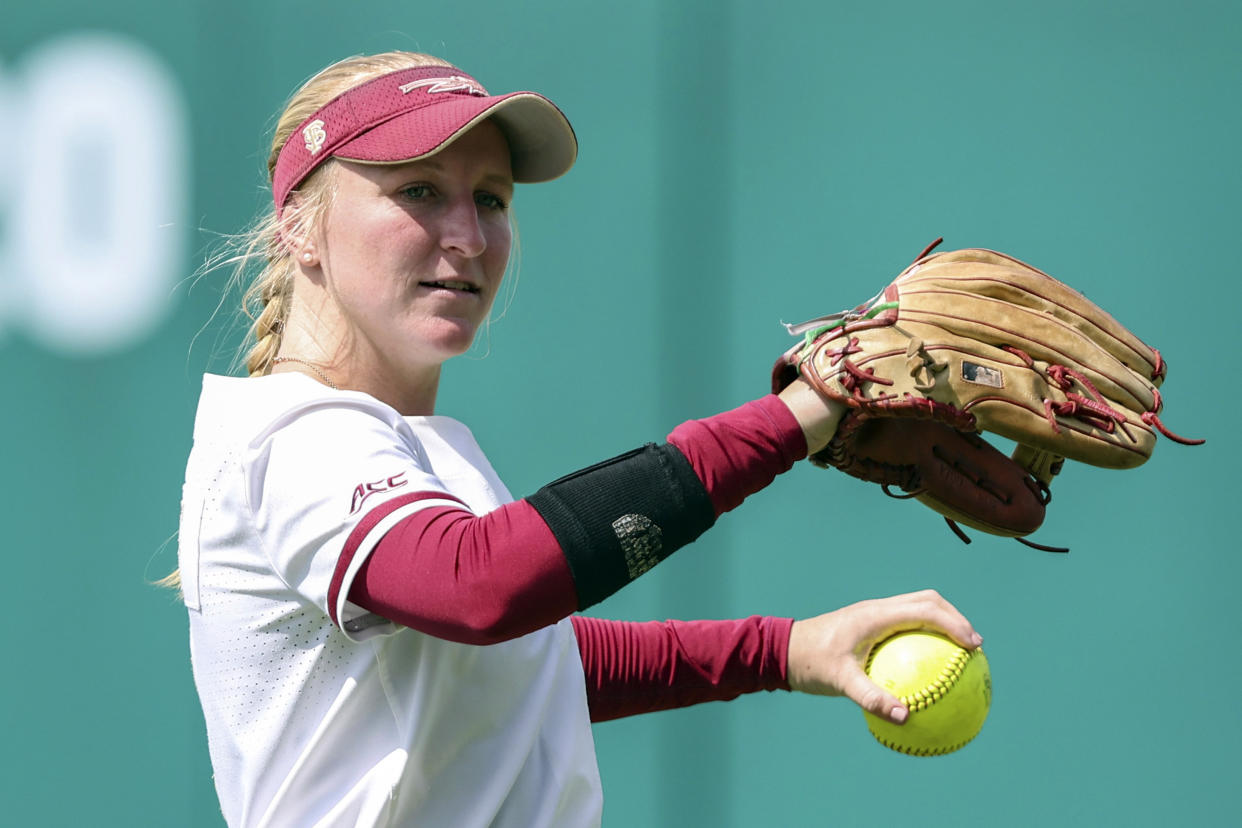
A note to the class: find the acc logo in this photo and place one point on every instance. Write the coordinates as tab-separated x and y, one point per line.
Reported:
364	490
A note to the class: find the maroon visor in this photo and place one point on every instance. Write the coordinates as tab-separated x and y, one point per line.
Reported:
415	113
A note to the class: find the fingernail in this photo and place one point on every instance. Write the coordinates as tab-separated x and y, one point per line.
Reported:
977	640
900	714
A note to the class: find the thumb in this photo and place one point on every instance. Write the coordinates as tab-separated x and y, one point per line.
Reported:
874	699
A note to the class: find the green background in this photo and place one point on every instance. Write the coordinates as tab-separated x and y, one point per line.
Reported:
742	163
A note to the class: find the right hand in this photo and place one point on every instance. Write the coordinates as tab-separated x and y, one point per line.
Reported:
827	653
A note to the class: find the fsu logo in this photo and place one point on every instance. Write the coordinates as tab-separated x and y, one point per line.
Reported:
314	135
364	490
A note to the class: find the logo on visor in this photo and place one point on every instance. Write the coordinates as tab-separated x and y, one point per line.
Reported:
315	136
453	83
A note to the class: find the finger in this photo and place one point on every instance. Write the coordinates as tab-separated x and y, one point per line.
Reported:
929	610
871	697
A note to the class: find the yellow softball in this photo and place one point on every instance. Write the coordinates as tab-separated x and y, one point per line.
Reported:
947	688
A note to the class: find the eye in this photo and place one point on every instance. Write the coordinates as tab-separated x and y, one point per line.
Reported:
490	200
417	192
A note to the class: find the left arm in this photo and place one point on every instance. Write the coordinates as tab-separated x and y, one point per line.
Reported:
485	579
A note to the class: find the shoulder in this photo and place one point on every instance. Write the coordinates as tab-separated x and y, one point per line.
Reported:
292	432
252	410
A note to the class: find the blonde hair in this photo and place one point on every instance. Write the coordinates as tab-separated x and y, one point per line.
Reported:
266	299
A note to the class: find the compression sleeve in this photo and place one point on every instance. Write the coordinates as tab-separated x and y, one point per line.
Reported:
739	452
480	580
641	667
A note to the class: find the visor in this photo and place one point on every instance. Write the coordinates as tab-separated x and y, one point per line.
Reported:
415	113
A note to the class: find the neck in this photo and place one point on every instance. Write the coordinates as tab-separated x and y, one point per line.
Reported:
411	393
353	366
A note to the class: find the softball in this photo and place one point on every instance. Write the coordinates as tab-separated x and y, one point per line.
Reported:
948	690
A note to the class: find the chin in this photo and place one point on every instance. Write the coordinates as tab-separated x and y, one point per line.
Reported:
450	338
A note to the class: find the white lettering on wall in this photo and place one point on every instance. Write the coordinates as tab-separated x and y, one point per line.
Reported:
93	172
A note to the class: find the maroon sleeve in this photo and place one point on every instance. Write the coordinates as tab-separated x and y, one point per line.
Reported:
739	452
480	580
641	667
476	580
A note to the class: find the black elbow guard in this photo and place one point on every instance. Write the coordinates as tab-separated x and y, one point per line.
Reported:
617	519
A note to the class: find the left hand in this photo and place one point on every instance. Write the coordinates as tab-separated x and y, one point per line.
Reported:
827	652
818	415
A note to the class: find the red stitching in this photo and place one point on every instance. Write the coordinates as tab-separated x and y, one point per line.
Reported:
838	354
1152	418
1093	411
1020	354
1050	415
856	375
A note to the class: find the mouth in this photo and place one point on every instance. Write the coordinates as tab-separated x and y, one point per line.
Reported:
451	284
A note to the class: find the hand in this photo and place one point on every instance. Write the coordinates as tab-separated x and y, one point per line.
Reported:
827	653
817	415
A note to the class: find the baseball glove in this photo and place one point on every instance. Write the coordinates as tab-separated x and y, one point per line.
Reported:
976	341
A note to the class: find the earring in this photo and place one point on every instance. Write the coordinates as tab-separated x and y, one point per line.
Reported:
306	257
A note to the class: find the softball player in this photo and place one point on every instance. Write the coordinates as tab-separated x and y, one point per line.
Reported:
380	634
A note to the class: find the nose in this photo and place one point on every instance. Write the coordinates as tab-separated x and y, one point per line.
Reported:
462	232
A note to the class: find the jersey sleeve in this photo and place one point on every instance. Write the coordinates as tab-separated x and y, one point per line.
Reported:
324	483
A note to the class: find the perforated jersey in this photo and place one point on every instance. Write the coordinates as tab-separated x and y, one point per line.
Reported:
319	713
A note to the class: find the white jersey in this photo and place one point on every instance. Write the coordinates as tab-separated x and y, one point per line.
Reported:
319	713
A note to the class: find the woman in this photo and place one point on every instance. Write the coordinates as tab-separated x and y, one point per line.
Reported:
380	634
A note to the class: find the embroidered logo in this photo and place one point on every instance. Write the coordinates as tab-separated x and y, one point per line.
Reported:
364	490
982	375
453	83
642	542
314	135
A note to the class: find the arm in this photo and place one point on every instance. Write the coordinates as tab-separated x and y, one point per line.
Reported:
816	415
528	564
636	668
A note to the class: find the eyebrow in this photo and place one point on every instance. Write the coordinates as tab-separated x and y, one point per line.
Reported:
491	178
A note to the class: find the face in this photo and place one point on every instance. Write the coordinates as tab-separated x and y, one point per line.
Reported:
413	254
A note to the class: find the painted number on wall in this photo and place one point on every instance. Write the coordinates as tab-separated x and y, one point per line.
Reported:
93	181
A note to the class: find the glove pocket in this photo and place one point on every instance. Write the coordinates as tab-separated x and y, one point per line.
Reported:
958	474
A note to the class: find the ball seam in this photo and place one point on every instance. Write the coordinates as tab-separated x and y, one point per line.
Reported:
927	696
924	698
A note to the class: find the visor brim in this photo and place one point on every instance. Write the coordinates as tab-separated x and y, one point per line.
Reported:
542	144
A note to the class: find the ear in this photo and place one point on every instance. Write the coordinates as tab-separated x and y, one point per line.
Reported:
308	255
295	240
302	250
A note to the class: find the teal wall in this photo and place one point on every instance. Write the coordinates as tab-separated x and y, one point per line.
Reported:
742	163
